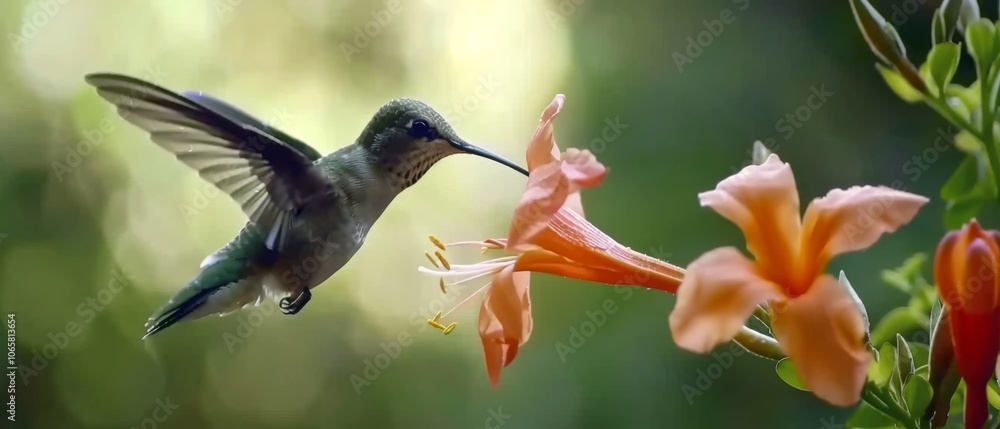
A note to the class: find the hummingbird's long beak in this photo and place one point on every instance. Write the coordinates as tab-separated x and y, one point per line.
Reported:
476	150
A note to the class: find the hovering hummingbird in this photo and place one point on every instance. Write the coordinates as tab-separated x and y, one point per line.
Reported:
308	213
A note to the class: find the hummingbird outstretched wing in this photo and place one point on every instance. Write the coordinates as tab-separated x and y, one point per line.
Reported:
237	115
272	180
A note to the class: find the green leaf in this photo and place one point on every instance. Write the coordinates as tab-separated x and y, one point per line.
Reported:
900	320
899	85
993	394
950	11
787	372
857	300
867	417
936	311
922	299
923	371
939	32
921	354
958	400
968	143
959	212
911	266
942	62
969	96
907	277
898	281
925	76
962	181
881	370
917	394
980	37
904	360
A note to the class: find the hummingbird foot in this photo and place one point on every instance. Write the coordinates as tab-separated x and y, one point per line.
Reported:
292	306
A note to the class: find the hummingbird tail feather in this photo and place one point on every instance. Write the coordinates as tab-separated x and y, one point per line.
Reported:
218	289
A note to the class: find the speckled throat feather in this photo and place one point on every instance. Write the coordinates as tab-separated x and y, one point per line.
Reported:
406	169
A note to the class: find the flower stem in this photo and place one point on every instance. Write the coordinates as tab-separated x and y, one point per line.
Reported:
762	314
987	128
984	133
759	344
872	395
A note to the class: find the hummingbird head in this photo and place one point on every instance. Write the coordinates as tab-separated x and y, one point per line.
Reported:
408	137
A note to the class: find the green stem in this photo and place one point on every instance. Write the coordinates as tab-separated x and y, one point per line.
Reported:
762	314
994	158
942	107
871	394
984	133
987	127
759	344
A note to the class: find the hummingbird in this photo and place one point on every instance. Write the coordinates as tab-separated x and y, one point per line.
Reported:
308	213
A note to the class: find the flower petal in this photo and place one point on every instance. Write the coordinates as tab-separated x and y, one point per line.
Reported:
763	201
824	335
547	191
550	188
945	275
853	219
542	149
720	292
581	168
505	319
493	349
965	268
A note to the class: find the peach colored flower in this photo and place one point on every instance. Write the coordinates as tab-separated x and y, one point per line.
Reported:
815	320
549	235
966	269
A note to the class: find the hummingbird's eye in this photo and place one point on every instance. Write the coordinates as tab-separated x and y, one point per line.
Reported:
421	129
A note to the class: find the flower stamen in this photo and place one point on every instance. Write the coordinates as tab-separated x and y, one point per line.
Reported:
444	261
463	272
435	323
431	258
437	242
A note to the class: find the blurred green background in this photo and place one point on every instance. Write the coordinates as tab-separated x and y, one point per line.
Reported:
97	235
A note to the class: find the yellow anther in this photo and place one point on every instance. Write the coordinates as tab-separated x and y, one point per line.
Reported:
431	258
444	261
485	249
434	322
437	242
443	289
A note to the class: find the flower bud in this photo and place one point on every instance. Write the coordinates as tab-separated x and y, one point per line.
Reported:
884	41
966	269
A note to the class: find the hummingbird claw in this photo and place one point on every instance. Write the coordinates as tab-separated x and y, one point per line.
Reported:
292	306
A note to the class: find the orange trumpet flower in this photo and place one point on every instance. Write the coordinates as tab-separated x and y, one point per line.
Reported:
549	234
815	320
